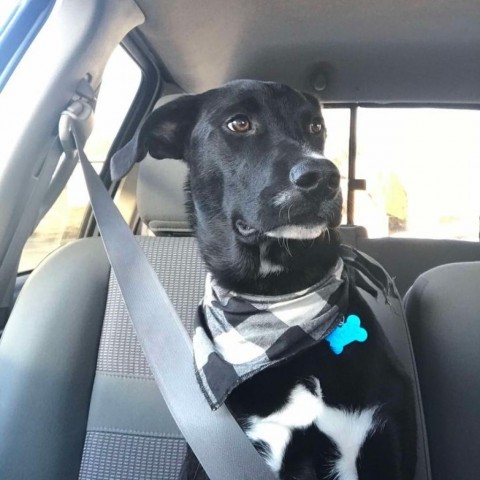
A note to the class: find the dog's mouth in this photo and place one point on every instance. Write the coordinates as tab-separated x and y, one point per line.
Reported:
298	232
299	221
308	231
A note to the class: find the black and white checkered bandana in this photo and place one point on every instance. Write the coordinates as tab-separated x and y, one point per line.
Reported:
237	336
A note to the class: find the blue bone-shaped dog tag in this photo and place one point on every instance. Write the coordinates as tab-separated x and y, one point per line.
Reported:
349	332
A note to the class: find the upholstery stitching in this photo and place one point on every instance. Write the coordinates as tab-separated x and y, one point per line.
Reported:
129	376
126	431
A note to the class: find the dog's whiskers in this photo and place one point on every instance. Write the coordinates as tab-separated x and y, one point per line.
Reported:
326	235
327	231
289	251
287	248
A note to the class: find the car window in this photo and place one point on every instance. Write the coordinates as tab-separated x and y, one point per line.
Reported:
337	121
20	21
63	222
422	167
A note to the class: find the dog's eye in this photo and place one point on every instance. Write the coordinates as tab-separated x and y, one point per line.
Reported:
239	124
315	127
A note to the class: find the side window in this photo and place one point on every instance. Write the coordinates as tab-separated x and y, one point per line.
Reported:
337	121
62	224
20	21
422	167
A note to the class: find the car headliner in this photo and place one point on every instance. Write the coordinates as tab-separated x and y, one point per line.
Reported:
370	50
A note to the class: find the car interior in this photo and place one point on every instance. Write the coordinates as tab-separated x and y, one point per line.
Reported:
77	396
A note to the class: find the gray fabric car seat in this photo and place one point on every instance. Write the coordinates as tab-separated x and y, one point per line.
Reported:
407	258
77	399
443	311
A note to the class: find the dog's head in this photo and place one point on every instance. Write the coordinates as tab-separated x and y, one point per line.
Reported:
258	177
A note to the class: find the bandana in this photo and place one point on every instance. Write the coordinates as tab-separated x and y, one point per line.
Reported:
237	336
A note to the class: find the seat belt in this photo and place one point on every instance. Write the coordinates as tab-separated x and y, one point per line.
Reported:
220	445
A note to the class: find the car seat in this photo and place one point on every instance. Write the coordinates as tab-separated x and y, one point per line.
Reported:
443	311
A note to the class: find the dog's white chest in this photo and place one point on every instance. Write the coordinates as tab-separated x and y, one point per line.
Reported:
347	429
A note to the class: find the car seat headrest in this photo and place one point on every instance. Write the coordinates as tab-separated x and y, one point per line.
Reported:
160	195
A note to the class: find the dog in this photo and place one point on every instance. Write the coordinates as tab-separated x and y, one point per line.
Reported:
264	204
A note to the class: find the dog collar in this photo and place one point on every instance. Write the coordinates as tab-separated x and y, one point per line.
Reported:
238	336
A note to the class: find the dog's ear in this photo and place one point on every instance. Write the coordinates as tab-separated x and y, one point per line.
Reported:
163	135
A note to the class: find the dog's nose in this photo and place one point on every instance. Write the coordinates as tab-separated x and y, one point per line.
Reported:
315	174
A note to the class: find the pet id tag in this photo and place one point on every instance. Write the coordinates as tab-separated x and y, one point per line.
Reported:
350	331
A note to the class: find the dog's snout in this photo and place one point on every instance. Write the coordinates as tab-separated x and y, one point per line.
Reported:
315	174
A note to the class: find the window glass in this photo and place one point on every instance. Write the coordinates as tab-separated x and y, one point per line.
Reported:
337	121
422	167
63	222
20	21
7	8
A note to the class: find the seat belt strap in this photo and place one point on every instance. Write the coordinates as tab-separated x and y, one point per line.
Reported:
218	442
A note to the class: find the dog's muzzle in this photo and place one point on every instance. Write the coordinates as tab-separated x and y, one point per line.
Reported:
314	185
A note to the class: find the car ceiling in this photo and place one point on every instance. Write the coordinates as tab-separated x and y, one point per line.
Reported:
368	50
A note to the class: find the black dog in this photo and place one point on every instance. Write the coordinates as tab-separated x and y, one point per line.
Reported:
264	204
